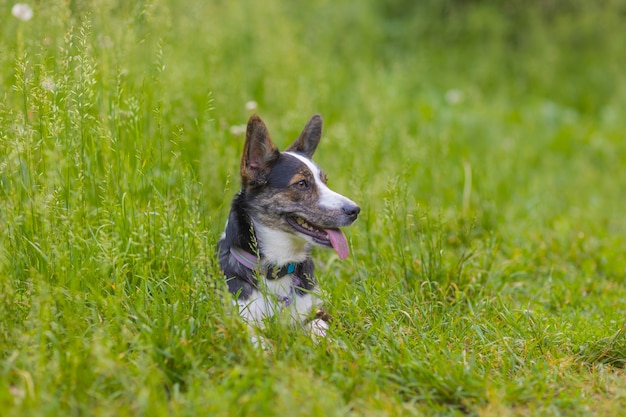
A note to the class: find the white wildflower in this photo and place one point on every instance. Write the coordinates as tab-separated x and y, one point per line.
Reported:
22	11
48	84
251	105
105	41
237	130
454	96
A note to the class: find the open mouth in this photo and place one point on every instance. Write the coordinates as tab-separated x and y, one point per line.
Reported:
331	237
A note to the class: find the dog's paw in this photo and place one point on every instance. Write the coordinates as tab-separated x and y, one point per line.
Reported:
319	327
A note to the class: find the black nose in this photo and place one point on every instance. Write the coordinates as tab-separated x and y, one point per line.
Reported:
351	211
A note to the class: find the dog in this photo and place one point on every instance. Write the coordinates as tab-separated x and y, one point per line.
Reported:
283	210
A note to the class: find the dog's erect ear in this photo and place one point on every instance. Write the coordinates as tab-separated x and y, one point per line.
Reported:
259	153
309	138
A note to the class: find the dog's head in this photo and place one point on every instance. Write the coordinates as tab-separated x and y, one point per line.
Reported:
288	191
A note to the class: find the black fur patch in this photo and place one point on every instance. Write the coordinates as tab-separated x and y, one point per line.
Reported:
285	169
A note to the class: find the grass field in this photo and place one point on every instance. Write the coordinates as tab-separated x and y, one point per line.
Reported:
483	140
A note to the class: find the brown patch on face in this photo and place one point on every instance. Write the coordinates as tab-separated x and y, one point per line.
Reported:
298	179
302	188
290	188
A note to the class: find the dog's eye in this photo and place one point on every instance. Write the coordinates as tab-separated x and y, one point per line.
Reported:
302	184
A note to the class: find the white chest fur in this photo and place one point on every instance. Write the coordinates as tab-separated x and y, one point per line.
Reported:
280	248
276	295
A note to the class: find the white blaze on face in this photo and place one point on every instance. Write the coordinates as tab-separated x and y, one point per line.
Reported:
328	198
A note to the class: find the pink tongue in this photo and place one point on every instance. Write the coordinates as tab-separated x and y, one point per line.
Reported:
339	242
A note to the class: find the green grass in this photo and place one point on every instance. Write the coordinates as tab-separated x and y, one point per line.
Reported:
484	142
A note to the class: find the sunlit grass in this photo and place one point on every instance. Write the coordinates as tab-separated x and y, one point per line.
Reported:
484	144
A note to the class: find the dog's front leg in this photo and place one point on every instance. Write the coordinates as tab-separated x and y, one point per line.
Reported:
319	324
318	328
303	309
254	309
